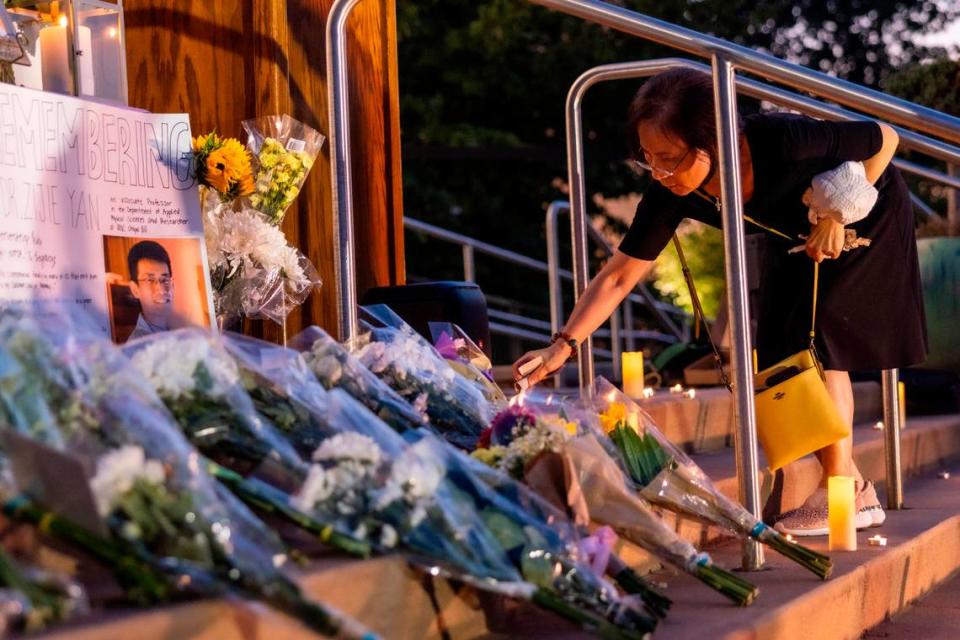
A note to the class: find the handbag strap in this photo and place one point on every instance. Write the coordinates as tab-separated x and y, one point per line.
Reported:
698	315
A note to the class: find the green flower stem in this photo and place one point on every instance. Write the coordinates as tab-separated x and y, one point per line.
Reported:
550	601
268	499
633	584
143	583
737	589
49	607
816	562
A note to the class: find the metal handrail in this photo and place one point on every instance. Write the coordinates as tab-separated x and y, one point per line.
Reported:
724	57
765	65
338	99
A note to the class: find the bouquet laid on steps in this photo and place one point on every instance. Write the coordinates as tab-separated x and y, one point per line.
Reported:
337	368
165	526
550	447
662	474
416	494
406	361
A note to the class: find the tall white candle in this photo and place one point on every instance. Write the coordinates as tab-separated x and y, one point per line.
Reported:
55	59
85	63
841	513
631	366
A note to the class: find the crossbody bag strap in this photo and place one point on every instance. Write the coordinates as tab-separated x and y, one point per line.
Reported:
698	315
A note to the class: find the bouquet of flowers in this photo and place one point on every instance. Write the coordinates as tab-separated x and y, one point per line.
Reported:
254	272
418	495
668	478
407	362
32	599
467	359
533	441
164	515
336	368
284	150
222	165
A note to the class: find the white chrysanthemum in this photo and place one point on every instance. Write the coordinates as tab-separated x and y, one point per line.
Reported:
243	239
116	473
352	447
316	489
413	479
171	365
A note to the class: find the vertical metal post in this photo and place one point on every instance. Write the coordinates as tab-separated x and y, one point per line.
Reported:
616	345
469	267
953	215
891	438
553	270
725	104
578	225
630	338
338	99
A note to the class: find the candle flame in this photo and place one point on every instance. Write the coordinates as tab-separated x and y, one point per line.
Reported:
62	20
112	32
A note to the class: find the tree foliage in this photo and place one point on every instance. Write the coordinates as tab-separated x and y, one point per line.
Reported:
483	85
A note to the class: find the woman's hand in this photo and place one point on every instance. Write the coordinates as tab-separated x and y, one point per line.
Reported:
553	358
826	240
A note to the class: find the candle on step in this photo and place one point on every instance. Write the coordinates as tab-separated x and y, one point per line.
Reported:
902	393
631	364
842	513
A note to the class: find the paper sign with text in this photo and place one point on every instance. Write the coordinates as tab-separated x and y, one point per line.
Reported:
99	213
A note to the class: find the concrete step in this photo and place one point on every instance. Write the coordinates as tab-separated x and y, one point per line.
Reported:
868	585
705	422
928	443
936	616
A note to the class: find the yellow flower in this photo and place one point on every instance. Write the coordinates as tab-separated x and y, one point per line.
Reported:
571	428
615	414
229	165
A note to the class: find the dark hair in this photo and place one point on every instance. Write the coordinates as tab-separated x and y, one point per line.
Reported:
147	250
680	101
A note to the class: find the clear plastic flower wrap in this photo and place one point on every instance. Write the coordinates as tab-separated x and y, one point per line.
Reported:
253	270
546	442
417	494
467	359
406	361
32	599
667	477
150	487
284	150
335	367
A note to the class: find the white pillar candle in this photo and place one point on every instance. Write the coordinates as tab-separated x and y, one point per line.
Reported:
842	513
55	59
631	364
85	63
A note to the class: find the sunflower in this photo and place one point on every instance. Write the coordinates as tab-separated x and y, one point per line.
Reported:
224	165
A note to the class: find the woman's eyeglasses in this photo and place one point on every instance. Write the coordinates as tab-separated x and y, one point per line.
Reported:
657	172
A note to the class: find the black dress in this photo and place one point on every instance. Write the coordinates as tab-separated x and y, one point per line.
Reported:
870	305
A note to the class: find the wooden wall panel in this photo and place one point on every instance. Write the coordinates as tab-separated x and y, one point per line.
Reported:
223	62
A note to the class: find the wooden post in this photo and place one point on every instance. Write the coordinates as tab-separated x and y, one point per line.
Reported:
225	62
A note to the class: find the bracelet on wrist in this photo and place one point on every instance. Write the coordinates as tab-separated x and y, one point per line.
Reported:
566	338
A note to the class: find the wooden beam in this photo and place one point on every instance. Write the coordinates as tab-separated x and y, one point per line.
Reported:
225	62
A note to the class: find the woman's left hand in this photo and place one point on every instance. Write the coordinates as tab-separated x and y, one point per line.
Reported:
826	240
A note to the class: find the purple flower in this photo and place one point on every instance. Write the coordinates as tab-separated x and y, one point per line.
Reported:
504	424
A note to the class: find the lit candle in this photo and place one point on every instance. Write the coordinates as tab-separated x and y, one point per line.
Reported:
841	513
677	388
648	392
56	58
902	392
877	541
690	393
631	364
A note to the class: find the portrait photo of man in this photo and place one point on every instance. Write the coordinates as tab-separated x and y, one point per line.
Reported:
153	285
151	282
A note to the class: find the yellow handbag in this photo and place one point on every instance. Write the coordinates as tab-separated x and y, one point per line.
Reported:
795	414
